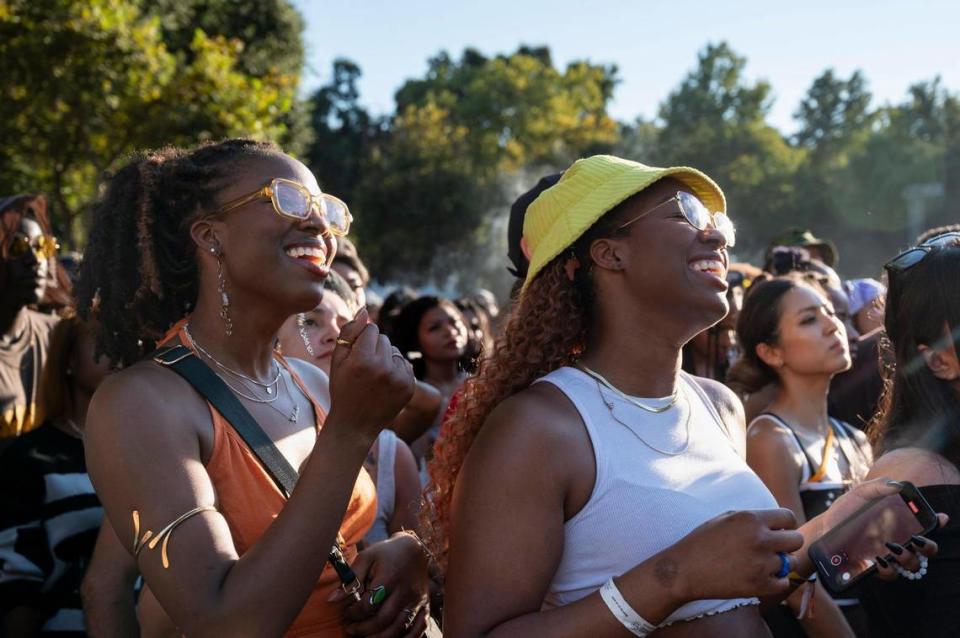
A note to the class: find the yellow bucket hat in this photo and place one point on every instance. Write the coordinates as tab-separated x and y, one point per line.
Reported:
589	189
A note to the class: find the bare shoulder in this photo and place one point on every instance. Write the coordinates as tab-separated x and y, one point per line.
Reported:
919	466
728	406
315	380
536	435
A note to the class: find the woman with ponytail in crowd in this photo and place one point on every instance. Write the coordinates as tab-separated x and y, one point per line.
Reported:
213	249
600	499
917	432
792	338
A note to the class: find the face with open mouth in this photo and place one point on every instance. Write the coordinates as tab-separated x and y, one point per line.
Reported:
281	260
667	261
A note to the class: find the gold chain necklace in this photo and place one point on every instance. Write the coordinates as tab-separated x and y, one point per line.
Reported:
266	386
686	443
599	378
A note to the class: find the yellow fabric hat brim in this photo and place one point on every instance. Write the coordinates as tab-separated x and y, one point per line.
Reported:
587	191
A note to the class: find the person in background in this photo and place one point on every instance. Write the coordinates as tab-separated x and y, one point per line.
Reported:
430	332
791	338
49	514
392	305
348	265
27	257
517	251
822	250
312	336
917	432
866	303
487	302
711	352
479	332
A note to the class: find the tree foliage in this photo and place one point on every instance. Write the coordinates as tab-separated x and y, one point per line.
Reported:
432	184
86	83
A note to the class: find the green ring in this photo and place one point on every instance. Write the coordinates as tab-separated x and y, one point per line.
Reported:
378	595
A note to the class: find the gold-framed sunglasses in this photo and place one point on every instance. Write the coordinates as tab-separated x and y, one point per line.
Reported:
291	200
696	215
43	246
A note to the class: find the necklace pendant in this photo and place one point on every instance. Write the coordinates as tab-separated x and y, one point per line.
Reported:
269	390
295	415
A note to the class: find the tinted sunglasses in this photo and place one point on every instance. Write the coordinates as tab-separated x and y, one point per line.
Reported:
696	215
910	258
43	246
292	201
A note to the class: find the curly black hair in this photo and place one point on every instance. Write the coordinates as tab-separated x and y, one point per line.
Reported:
139	272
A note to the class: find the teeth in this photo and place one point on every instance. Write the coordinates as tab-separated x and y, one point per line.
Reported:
708	265
304	251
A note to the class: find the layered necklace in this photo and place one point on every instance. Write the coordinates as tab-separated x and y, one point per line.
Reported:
671	401
271	387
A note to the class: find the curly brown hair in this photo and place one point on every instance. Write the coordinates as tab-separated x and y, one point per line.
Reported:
546	330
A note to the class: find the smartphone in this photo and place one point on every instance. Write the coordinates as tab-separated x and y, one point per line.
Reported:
847	553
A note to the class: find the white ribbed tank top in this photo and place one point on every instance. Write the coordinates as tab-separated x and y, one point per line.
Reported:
644	501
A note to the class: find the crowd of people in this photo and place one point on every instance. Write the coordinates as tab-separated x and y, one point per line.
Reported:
212	426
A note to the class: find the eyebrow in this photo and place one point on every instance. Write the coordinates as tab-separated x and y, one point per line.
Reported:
811	308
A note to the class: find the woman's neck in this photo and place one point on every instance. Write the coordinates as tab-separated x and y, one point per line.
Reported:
441	373
802	400
640	365
249	347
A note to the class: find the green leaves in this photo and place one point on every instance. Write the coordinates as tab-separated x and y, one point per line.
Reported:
89	82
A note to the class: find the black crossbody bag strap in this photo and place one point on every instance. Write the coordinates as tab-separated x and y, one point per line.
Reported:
181	360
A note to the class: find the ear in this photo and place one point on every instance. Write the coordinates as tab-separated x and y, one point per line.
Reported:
942	362
770	355
524	248
204	235
608	253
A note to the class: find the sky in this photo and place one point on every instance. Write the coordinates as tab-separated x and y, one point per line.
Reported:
654	44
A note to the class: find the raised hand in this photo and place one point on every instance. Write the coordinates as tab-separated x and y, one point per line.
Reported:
370	381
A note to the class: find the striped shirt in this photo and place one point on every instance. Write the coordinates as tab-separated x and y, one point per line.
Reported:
49	519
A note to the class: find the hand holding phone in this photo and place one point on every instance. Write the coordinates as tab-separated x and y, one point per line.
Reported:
847	553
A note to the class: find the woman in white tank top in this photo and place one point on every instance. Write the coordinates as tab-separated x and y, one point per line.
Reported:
791	337
544	494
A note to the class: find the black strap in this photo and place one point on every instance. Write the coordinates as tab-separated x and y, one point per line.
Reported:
811	462
181	360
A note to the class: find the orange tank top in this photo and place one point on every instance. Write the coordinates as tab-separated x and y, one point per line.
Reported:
249	500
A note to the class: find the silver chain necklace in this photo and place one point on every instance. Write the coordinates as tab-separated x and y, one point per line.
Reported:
294	416
599	378
686	443
268	387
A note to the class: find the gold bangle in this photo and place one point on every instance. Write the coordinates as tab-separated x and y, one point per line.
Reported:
149	540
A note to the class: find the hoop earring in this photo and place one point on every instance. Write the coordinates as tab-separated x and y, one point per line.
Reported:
302	328
224	297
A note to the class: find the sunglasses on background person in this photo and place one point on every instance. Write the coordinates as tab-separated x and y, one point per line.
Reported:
292	201
913	256
43	246
696	215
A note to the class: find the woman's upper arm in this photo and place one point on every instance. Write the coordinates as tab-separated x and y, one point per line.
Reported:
406	504
771	454
508	518
143	454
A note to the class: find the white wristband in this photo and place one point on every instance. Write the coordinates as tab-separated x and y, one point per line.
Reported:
623	612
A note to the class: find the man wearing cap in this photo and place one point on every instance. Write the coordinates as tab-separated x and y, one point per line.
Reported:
822	249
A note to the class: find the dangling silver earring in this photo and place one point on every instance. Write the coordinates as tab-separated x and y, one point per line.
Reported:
224	297
301	325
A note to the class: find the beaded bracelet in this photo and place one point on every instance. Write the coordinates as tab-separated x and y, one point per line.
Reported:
917	575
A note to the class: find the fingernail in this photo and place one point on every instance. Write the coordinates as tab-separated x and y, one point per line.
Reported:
893	547
333	595
883	563
895	484
918	541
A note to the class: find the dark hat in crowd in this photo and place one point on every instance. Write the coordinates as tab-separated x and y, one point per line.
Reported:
515	228
804	238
